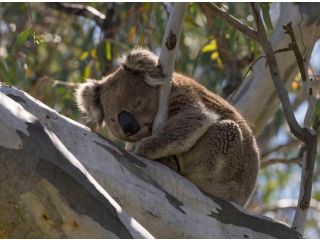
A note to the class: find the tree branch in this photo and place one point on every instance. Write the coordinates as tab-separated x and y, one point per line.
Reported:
295	48
309	138
276	76
166	61
303	134
167	57
293	143
306	81
45	191
271	161
308	156
246	30
38	145
80	10
287	203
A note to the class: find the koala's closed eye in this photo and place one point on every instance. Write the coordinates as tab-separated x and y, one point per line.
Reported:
138	103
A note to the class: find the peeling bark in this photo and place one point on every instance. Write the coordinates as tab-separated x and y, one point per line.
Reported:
50	170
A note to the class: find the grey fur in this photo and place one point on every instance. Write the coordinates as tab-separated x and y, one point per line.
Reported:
212	143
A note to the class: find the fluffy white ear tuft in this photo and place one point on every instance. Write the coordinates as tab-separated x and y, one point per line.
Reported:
88	101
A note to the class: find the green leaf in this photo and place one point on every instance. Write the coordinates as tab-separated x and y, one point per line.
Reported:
22	37
87	71
147	6
316	196
266	15
84	55
101	55
189	19
38	38
214	55
132	34
108	51
211	46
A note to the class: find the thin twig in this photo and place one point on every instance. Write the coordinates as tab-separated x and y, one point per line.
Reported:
268	162
31	19
293	143
250	69
287	204
297	160
302	42
120	44
251	65
308	90
282	50
295	48
66	84
80	10
262	56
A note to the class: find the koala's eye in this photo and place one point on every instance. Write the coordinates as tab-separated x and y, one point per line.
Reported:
138	103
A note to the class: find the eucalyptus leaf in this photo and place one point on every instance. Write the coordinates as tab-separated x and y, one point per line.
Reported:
23	37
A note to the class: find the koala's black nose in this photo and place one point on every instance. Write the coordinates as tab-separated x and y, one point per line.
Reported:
128	123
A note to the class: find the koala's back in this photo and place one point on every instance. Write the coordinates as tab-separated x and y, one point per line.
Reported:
225	160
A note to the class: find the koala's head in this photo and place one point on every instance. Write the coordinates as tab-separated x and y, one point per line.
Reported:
126	100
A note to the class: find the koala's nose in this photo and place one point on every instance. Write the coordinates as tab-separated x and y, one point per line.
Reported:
128	123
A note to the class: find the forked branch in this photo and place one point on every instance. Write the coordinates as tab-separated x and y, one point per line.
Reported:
309	138
306	135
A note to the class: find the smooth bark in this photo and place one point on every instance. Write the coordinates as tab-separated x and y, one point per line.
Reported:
49	167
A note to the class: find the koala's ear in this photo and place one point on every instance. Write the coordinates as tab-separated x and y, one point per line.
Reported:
88	101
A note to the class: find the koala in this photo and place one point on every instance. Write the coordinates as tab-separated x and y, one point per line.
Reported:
204	139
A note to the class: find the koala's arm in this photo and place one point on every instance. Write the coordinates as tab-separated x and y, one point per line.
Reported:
178	134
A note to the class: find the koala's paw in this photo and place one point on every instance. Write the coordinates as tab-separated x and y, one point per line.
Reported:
144	148
129	146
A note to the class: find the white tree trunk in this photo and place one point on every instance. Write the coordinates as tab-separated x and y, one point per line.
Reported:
170	43
45	191
49	165
167	58
256	97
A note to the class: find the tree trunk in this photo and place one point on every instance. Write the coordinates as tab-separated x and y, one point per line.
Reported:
170	43
49	166
45	191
